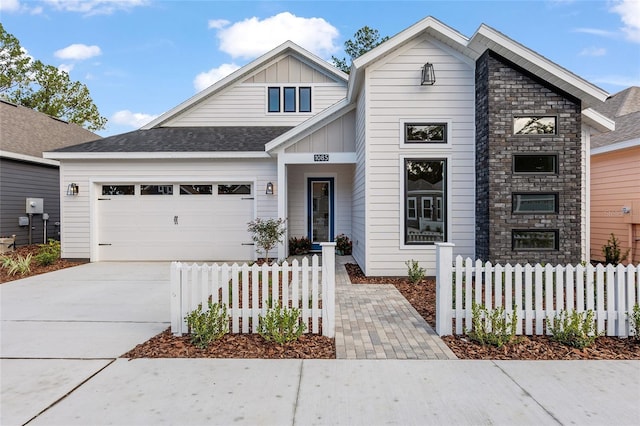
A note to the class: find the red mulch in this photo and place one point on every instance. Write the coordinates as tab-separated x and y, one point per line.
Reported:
35	268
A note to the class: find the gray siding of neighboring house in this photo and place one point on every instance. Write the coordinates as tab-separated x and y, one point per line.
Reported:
19	181
502	92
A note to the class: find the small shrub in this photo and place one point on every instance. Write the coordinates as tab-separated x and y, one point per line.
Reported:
414	271
575	329
343	244
267	233
494	327
634	320
612	252
17	265
48	253
281	325
300	245
205	327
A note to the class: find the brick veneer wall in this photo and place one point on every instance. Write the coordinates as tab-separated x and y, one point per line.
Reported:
503	91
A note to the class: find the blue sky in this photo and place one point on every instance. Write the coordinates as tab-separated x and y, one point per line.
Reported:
140	58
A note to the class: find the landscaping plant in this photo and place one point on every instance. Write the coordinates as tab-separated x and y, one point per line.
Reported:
634	320
300	245
48	253
415	272
612	253
206	327
281	324
492	327
18	264
343	244
267	233
575	329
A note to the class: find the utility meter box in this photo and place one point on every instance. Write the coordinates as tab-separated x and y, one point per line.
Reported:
35	205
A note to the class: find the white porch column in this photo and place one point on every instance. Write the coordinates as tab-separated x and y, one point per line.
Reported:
444	296
281	191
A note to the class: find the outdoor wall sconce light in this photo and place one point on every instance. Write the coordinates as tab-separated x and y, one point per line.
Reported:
626	210
73	189
269	188
428	75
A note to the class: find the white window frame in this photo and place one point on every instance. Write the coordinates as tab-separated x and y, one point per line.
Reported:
426	145
422	210
415	208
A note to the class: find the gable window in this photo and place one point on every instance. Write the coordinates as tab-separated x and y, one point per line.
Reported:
424	183
425	133
540	203
547	164
534	125
530	239
274	99
305	99
289	99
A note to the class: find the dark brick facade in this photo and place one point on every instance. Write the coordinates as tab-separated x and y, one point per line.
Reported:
502	92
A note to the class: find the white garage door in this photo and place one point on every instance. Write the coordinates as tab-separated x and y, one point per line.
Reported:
199	222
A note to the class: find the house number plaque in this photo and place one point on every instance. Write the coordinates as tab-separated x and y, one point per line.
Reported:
320	158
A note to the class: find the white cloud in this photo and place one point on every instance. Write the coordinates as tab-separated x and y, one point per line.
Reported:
218	23
66	67
593	51
629	11
253	37
96	7
78	52
617	80
206	79
9	5
131	119
595	31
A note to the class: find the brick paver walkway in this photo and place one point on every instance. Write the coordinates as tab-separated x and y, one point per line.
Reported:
374	321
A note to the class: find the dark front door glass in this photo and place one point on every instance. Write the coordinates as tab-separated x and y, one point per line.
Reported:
320	211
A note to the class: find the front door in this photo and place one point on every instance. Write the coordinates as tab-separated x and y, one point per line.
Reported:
320	207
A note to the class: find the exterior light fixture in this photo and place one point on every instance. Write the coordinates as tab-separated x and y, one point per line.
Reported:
269	190
428	75
73	189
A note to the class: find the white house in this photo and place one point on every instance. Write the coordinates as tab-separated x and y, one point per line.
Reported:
385	155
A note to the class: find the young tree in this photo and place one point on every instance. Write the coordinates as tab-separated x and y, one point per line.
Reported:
44	88
363	41
267	233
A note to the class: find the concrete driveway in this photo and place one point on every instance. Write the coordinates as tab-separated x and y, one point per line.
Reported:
61	328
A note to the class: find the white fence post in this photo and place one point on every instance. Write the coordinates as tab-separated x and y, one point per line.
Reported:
176	299
444	275
328	289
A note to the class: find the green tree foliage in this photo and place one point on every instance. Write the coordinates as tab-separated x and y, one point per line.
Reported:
363	41
44	88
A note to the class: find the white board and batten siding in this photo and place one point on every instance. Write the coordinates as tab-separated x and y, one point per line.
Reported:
245	103
80	214
394	95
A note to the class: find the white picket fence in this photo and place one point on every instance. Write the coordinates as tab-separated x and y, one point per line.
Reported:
248	290
536	293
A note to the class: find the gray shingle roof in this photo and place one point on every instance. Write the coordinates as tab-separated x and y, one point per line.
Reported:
185	139
28	132
624	108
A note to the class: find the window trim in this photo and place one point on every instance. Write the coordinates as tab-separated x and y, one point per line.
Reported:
446	200
417	145
293	91
415	208
445	135
515	117
300	99
556	241
269	97
556	203
550	154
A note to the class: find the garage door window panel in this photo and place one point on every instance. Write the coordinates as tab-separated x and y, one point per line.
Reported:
196	189
156	189
234	189
118	189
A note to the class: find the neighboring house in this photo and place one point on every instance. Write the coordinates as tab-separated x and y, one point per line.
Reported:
24	135
384	155
615	177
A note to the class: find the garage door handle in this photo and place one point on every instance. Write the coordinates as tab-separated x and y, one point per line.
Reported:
248	244
104	244
175	220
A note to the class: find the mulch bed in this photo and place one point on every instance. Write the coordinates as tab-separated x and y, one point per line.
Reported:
35	268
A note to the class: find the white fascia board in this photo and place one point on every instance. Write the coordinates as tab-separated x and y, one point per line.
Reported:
243	72
153	155
339	108
29	158
489	38
597	121
631	143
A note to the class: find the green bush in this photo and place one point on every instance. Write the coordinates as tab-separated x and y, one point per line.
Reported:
48	253
414	271
575	329
634	319
612	253
205	327
343	244
281	325
494	327
18	264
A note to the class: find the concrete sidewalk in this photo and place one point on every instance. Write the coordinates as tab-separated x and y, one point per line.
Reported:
62	334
